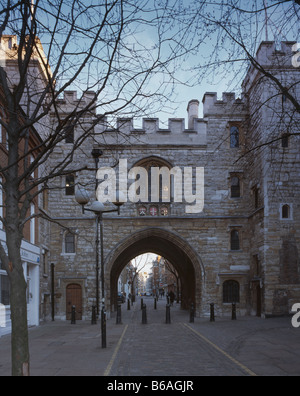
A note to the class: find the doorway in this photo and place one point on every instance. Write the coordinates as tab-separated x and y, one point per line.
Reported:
74	298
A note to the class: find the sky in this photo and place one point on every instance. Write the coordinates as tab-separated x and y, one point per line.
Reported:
140	44
142	34
145	261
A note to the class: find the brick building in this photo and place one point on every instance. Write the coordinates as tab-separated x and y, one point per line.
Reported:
244	245
30	248
35	243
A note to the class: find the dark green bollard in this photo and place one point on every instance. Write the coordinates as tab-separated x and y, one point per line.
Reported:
192	314
73	315
94	316
212	312
168	314
144	314
233	316
119	315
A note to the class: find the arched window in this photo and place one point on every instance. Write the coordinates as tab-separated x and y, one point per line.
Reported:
231	292
163	188
235	240
235	187
286	212
69	243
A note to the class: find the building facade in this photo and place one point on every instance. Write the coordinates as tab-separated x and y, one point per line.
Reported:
217	196
35	244
30	247
242	245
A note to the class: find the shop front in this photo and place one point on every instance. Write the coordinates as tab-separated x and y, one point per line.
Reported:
31	258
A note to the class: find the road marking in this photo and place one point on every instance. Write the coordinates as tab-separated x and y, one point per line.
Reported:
242	366
112	360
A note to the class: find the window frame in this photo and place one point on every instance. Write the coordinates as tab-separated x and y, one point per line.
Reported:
231	292
237	242
234	137
3	275
290	211
70	185
69	243
235	191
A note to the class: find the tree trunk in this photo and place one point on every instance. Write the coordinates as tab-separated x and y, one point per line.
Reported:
14	267
18	304
20	347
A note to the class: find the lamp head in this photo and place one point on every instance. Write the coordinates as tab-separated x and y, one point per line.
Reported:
120	199
96	153
82	196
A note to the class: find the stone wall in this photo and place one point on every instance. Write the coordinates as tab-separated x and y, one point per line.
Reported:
266	266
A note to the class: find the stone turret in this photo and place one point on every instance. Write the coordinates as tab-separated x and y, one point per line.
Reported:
193	112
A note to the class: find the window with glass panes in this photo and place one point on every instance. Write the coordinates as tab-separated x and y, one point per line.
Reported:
4	286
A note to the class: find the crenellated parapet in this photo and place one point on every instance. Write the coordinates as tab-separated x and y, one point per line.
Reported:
151	134
274	59
229	105
269	54
72	102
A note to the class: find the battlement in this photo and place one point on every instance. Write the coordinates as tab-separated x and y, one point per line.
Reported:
150	126
9	55
9	42
229	105
150	133
71	101
269	55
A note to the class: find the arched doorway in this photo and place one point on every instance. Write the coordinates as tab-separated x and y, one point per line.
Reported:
164	243
74	298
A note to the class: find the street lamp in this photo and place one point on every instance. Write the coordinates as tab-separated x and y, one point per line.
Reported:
98	208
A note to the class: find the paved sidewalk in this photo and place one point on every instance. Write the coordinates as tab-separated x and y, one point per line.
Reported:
247	346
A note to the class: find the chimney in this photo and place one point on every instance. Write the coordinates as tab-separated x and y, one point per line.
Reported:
193	112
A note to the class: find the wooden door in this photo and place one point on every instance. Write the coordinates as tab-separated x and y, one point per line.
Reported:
74	297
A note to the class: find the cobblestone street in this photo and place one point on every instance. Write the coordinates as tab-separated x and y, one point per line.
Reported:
248	346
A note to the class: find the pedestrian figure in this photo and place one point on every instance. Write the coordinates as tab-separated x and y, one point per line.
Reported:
172	298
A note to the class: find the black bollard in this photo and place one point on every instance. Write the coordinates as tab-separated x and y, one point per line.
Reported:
168	314
144	314
119	315
73	315
128	304
155	304
142	303
233	316
103	328
212	312
192	314
94	316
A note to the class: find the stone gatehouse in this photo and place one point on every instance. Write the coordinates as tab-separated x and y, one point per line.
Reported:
242	247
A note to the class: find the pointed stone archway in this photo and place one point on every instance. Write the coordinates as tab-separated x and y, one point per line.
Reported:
164	243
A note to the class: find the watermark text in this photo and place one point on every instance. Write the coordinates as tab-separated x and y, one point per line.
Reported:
296	317
296	57
152	186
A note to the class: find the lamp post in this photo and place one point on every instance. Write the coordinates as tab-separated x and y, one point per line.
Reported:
98	208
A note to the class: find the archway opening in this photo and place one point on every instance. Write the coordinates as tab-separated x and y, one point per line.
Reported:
164	244
149	275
